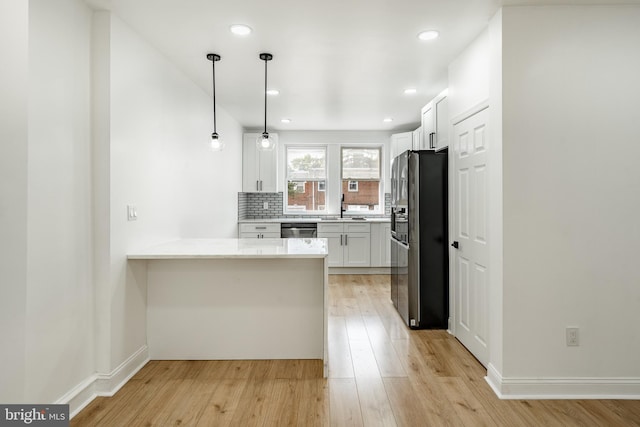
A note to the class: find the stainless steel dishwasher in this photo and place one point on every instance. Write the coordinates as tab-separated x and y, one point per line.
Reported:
298	230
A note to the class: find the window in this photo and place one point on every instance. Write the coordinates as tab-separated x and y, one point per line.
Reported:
306	179
361	179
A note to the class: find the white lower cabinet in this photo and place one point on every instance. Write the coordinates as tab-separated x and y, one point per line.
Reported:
349	244
381	244
259	230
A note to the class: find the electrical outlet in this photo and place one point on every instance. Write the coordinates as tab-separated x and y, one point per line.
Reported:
573	337
265	205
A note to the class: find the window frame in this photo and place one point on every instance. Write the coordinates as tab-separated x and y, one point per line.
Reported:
285	207
380	178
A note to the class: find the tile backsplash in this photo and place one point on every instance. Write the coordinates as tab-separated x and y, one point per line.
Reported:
251	206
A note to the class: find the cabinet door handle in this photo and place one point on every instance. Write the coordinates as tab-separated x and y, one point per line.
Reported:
257	185
346	240
432	139
341	236
261	228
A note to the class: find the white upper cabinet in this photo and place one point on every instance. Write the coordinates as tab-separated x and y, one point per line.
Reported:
441	120
259	168
435	123
428	126
401	142
417	138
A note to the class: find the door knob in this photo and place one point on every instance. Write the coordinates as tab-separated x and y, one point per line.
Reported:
455	245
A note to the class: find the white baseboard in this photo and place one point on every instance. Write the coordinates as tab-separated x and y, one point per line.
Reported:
562	388
104	384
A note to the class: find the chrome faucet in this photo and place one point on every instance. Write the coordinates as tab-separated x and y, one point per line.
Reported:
342	209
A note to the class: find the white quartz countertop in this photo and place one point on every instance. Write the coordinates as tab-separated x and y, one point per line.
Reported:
234	248
317	220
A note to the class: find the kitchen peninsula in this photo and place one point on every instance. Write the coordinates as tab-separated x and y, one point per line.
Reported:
221	299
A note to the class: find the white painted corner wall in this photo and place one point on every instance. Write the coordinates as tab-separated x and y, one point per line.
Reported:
563	201
570	145
160	125
14	45
93	119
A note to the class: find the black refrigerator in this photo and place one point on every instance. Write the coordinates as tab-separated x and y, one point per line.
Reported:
419	238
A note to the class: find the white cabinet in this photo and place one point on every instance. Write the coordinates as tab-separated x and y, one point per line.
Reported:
259	168
401	142
435	123
349	244
259	230
428	128
381	244
417	138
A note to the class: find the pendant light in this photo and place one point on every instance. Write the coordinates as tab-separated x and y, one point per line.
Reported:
216	143
265	141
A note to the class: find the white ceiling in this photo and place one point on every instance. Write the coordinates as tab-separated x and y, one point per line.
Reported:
338	64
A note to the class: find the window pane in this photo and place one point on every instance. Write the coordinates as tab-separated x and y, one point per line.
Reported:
304	164
361	196
303	196
306	179
360	163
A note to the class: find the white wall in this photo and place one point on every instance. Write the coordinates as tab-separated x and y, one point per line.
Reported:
160	124
14	36
59	283
334	140
571	199
469	76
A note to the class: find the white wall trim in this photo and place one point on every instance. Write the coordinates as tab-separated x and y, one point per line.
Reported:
104	384
562	388
470	112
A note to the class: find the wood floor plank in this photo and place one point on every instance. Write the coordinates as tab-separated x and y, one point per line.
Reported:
409	406
374	403
221	409
344	403
386	358
341	365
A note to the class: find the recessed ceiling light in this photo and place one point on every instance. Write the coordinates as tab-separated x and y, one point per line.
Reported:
273	92
387	120
285	120
240	29
410	91
428	35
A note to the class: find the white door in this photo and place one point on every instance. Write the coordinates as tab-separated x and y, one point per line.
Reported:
470	145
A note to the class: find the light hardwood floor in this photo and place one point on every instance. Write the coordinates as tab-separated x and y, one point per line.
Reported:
381	374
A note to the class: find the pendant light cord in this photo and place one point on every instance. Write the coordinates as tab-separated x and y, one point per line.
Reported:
265	96
213	62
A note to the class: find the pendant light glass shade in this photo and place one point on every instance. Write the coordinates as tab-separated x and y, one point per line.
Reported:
265	142
216	143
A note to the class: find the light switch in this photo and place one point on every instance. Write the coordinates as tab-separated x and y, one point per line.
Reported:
132	213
